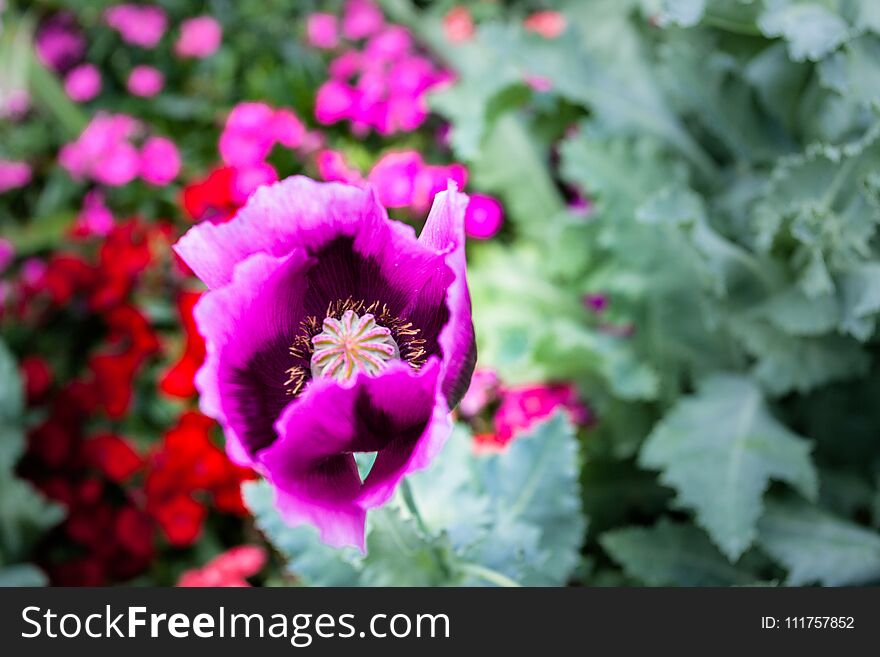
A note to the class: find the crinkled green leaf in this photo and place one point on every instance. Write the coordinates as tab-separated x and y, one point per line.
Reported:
719	449
22	575
811	30
816	546
312	561
685	13
786	362
670	554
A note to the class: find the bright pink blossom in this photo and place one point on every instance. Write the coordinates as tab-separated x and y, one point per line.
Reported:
522	406
83	83
160	161
139	25
145	81
287	129
361	18
14	174
102	152
333	167
483	217
199	37
94	218
59	42
322	30
249	178
335	101
394	178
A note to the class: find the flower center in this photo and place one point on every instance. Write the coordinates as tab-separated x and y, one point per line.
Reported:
353	343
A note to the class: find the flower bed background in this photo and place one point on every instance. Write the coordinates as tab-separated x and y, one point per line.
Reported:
672	257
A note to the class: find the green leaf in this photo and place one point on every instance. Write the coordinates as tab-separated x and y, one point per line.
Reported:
22	575
684	13
786	362
811	30
509	156
24	516
399	554
536	484
308	558
669	554
816	546
719	449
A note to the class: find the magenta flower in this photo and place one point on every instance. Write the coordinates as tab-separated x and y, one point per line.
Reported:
14	174
332	330
334	167
145	81
138	25
199	37
103	152
95	217
83	83
160	161
522	406
249	178
59	42
361	18
483	218
322	30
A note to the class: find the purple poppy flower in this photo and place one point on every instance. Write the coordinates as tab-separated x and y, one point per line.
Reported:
332	330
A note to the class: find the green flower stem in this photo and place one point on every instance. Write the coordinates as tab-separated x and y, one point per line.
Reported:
488	575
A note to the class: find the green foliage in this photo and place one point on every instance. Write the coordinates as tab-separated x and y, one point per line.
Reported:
719	449
24	513
506	519
671	554
816	546
730	152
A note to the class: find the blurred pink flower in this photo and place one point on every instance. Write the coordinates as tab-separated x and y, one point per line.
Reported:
432	179
287	129
7	254
394	177
94	218
138	25
538	82
14	174
483	217
483	390
390	44
522	406
333	167
549	24
229	569
102	152
248	179
59	42
83	83
361	18
247	136
145	81
199	37
458	25
346	65
596	303
160	161
322	30
335	101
